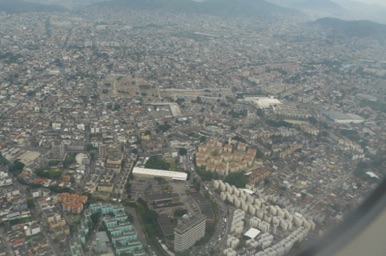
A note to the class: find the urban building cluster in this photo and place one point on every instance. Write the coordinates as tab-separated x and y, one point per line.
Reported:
87	99
225	159
266	217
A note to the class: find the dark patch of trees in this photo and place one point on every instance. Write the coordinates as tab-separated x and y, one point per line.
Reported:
95	217
3	160
277	124
48	174
313	120
116	107
69	160
16	168
180	212
351	134
149	217
53	163
180	101
10	57
90	147
30	203
156	162
182	151
198	100
164	127
58	189
375	105
238	114
237	178
239	139
206	175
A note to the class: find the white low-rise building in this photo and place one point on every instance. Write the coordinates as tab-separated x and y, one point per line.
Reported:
151	173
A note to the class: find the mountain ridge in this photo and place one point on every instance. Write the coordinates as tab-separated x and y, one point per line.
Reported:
213	7
356	28
20	6
341	9
318	4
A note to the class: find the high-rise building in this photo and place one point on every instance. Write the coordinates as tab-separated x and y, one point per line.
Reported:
58	150
189	232
102	150
114	158
114	152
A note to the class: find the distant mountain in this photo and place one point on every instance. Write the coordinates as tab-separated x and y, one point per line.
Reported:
313	8
308	4
362	11
69	4
214	7
317	5
342	9
359	28
19	6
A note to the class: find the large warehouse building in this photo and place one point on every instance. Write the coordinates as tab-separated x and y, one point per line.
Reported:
263	102
151	173
343	118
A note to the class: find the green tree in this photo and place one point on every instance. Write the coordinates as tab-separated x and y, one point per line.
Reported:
313	120
128	187
16	168
42	172
242	243
90	147
240	139
116	107
237	178
180	212
3	160
164	127
277	124
182	151
206	175
58	189
215	153
160	180
54	174
156	162
260	113
30	203
130	217
53	163
95	218
69	160
180	101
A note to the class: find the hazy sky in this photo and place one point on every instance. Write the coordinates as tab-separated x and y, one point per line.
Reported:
380	2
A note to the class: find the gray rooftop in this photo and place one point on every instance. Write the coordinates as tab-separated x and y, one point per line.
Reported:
189	223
